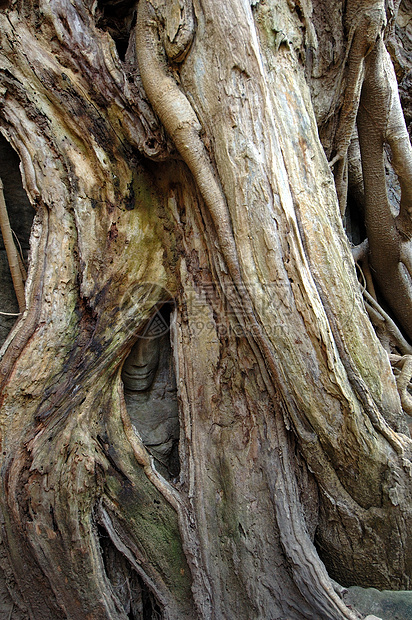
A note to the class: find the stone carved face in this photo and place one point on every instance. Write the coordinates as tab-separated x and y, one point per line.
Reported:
140	367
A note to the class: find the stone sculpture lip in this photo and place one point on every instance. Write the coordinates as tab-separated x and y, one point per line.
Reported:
128	375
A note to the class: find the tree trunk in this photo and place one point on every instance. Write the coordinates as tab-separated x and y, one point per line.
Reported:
186	215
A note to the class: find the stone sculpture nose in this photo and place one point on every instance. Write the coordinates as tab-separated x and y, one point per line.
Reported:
145	352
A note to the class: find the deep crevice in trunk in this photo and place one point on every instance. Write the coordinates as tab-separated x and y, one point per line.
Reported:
21	214
135	597
150	392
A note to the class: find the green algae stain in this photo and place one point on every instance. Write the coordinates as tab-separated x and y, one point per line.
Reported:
154	527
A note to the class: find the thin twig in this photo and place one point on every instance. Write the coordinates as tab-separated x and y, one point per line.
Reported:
20	258
10	313
18	244
359	252
12	255
364	283
368	277
392	328
402	382
365	272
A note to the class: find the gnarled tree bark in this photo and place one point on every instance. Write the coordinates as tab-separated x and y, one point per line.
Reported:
183	169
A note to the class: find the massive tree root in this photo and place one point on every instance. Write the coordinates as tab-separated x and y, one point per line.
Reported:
380	121
371	100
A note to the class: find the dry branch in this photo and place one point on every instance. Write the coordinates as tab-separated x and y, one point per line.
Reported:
12	254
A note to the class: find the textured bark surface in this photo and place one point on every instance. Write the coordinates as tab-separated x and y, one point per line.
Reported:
171	152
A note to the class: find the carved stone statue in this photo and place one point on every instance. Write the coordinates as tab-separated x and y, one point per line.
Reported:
151	400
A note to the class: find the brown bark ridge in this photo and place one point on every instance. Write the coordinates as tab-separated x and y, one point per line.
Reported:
183	169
